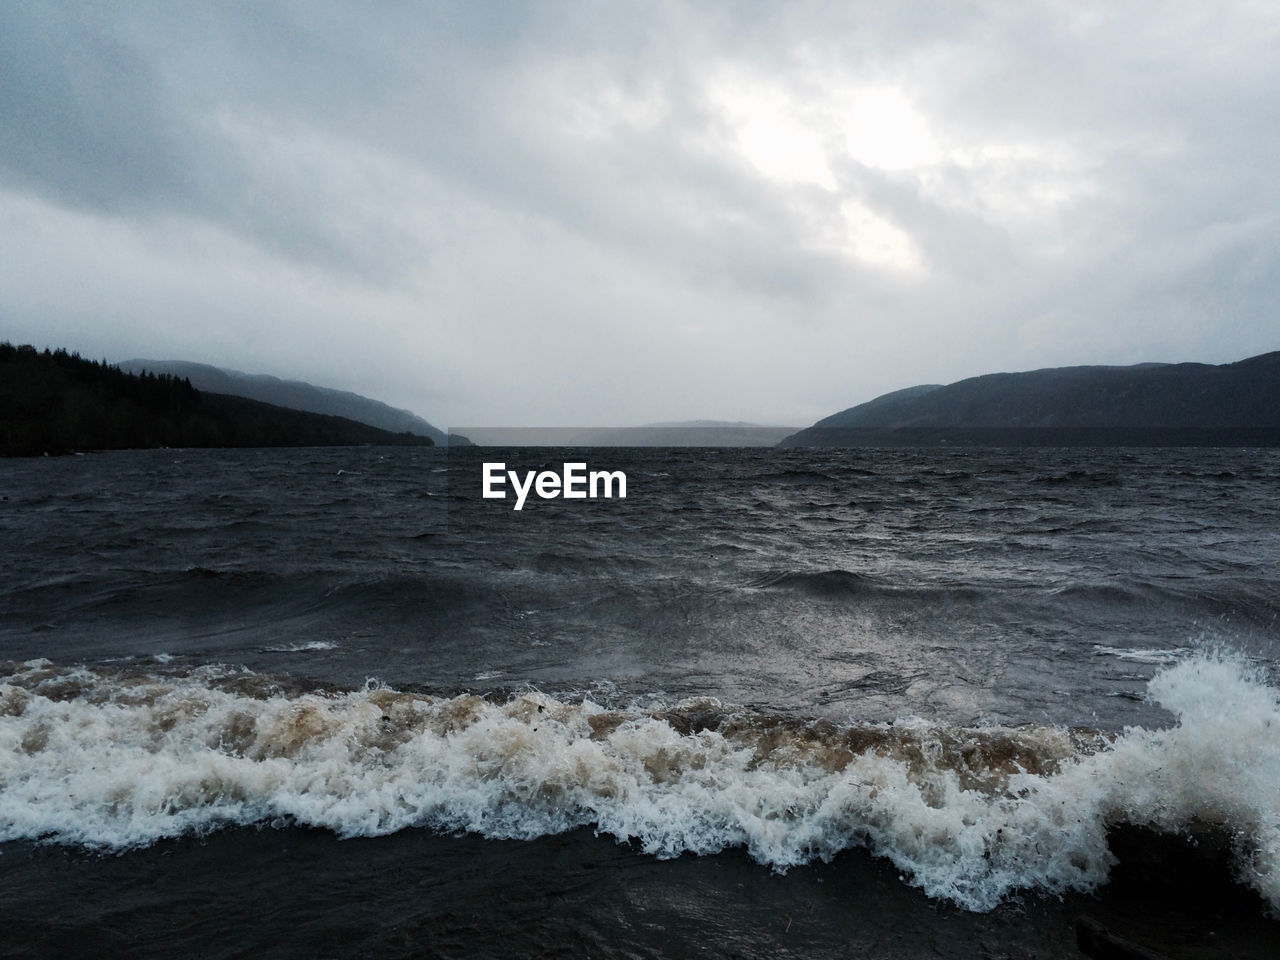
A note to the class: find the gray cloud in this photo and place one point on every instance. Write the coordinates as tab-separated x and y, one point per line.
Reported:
572	213
83	117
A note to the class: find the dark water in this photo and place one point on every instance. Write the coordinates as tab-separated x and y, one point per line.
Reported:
834	703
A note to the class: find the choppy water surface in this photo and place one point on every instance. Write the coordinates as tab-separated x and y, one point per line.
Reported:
1001	586
972	664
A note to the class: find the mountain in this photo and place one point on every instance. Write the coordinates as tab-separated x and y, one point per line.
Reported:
1148	404
294	394
57	402
687	433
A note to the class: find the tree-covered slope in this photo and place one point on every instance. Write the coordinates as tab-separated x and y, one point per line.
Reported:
57	402
294	394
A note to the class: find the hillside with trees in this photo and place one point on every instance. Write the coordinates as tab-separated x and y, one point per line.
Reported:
293	394
58	402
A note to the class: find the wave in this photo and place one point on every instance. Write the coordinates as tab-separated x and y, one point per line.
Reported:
845	585
114	760
820	583
308	646
1159	657
1079	477
800	475
235	576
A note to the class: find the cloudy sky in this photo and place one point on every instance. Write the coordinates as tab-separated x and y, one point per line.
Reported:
572	212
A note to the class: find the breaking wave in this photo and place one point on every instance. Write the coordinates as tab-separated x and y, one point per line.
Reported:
114	760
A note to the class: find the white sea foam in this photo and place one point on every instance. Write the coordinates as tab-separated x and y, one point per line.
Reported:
308	647
1142	655
114	760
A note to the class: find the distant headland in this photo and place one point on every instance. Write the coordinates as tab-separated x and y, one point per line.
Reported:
1148	404
55	402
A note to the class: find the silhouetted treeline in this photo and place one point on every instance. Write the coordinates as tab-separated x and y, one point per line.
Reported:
58	402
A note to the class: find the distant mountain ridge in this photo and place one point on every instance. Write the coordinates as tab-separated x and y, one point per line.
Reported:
688	433
711	424
294	395
1144	404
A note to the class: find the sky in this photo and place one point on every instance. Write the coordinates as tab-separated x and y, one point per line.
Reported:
578	212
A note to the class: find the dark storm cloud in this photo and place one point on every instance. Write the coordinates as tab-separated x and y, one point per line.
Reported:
83	117
169	110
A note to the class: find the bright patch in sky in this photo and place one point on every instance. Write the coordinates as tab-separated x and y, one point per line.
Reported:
793	140
876	241
882	129
774	133
796	138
